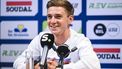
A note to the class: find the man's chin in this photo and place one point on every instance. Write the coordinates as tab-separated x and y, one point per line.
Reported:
55	33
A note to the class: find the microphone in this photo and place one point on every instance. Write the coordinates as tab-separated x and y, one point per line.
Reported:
46	41
63	51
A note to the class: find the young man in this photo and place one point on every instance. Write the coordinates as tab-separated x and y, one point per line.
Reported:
59	18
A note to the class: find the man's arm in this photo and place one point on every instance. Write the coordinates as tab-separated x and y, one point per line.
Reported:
34	47
87	57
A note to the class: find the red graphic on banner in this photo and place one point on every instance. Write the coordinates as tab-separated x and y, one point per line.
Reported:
18	3
109	50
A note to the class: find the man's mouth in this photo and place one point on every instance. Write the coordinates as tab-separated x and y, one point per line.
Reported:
54	25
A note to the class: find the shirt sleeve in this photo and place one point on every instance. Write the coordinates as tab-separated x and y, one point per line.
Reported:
34	46
87	57
19	63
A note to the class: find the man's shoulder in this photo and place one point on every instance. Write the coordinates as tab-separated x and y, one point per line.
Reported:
76	34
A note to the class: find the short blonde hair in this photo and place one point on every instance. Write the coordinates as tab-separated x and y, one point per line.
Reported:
62	3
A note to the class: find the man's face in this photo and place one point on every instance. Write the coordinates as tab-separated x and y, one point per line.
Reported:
58	20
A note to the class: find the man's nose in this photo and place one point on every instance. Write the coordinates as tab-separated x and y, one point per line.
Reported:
53	20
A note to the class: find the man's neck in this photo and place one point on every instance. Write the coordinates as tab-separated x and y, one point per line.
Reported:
61	39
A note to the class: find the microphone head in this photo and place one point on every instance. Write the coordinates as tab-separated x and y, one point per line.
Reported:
63	51
47	39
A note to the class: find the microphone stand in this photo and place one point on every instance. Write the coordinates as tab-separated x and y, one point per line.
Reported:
63	52
29	60
61	63
44	66
43	63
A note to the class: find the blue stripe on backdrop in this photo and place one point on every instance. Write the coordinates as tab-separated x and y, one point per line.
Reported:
84	17
111	65
0	7
15	41
5	64
107	41
115	17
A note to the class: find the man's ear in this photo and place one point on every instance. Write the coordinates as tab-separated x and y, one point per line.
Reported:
71	18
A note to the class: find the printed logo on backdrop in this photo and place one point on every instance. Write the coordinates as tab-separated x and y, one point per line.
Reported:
104	29
104	7
19	8
19	29
109	53
75	25
9	52
100	29
77	4
112	29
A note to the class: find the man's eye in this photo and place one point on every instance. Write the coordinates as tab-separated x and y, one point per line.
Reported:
58	17
49	17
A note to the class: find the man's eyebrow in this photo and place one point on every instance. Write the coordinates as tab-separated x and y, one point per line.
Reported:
48	14
58	14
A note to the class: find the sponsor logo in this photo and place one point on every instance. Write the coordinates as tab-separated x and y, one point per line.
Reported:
104	7
11	52
18	6
108	53
101	5
75	5
20	30
104	29
111	29
100	29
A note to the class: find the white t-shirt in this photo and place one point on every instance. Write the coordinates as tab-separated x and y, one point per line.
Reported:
83	58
